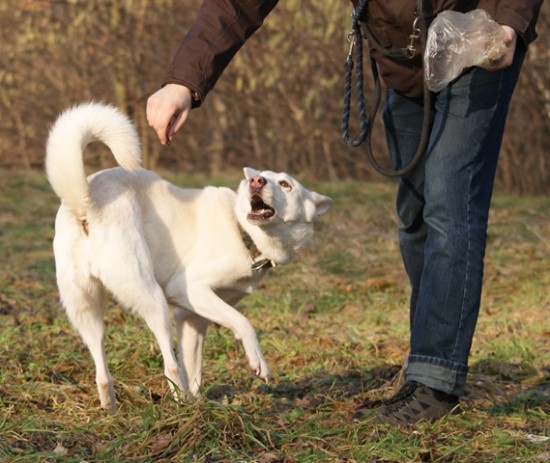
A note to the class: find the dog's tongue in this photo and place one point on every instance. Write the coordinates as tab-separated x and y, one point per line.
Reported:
259	209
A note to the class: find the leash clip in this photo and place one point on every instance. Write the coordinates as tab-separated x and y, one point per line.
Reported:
413	37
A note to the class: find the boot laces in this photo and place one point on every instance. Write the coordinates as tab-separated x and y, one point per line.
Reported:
406	392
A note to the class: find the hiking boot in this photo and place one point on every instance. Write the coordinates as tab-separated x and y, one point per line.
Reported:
414	402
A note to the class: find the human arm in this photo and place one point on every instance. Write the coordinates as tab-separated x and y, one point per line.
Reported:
518	19
219	31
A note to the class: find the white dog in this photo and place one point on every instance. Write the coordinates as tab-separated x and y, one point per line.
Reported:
151	244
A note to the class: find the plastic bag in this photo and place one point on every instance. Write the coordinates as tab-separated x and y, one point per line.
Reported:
457	41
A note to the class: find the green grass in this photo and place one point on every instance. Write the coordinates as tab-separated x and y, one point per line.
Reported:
333	326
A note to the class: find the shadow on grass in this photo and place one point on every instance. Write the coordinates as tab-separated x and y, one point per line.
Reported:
497	387
321	388
504	388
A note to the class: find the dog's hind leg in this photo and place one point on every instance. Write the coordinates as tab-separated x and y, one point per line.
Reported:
191	330
85	304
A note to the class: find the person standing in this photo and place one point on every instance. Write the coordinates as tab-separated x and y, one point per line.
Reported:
443	203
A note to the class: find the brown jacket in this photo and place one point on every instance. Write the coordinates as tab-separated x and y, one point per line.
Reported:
222	27
391	23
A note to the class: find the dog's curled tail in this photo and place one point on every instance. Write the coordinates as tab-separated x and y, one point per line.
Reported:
73	130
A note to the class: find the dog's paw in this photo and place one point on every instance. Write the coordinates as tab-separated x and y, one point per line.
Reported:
259	366
107	397
255	356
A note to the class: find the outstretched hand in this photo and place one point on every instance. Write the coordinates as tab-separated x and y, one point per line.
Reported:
167	110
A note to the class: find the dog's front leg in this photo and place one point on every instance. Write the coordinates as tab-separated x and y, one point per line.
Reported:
148	300
191	330
206	303
159	323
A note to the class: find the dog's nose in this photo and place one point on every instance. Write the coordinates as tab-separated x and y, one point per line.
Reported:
257	182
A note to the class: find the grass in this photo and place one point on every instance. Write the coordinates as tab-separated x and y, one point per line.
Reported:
333	326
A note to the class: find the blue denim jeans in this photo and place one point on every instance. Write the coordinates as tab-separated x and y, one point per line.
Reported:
443	205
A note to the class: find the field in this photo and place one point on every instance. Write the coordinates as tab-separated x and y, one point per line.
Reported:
334	329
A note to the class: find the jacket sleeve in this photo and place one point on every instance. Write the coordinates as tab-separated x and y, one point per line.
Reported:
521	15
219	31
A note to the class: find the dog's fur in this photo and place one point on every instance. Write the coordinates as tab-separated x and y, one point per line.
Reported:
151	244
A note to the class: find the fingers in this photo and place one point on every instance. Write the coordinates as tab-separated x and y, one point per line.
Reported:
167	110
175	124
510	40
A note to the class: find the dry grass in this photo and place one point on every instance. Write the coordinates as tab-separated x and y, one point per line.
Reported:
333	326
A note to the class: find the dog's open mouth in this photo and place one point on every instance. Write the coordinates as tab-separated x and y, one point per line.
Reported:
259	210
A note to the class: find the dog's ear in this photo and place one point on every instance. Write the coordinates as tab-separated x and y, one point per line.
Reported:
249	173
322	203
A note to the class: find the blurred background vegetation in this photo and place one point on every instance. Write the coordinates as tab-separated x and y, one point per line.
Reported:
277	106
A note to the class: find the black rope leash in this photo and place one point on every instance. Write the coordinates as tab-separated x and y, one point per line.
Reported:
356	44
366	121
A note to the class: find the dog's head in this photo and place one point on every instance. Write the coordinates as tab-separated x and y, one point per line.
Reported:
279	205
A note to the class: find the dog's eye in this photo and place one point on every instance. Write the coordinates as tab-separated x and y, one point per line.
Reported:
285	184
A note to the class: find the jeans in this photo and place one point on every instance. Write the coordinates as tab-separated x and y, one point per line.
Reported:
443	205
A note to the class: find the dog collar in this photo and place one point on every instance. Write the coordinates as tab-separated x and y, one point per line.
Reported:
255	252
260	264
